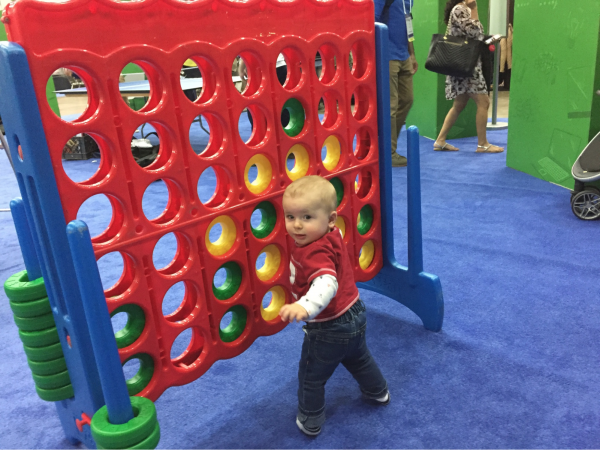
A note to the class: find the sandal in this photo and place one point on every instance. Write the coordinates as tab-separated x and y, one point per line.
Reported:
489	149
445	148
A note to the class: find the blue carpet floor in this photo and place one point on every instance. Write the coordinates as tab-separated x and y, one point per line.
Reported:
515	366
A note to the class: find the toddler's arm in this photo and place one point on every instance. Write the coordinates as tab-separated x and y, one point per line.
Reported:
320	293
322	290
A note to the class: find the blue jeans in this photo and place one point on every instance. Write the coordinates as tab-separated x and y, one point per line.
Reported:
327	344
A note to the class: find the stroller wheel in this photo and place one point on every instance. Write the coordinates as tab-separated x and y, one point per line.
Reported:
586	204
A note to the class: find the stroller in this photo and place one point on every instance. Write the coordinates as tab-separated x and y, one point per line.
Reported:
585	199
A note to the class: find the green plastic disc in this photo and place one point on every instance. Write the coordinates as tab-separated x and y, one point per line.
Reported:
125	435
18	288
232	282
339	189
38	323
140	380
236	327
39	338
267	222
296	123
55	395
55	381
151	441
48	367
366	219
41	354
32	308
136	321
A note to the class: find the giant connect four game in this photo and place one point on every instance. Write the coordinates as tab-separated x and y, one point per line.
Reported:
330	94
341	146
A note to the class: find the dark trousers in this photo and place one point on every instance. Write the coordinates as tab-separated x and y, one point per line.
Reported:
326	345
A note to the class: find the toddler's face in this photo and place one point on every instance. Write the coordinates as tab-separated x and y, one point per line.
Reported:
306	220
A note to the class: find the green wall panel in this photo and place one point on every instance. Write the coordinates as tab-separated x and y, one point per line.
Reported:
427	85
595	119
552	107
430	106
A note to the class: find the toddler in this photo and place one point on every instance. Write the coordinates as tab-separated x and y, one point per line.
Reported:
326	297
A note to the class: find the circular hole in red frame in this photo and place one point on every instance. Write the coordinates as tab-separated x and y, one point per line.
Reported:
247	67
179	301
79	99
360	60
180	258
86	159
258	126
206	135
150	146
329	66
164	251
214	186
94	212
199	71
154	206
362	143
193	341
362	103
364	183
117	273
140	76
289	68
331	114
111	267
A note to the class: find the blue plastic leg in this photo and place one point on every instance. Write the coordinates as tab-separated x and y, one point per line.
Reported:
46	221
419	291
102	335
32	263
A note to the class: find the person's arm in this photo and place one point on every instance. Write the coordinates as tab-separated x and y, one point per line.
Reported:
322	289
413	58
472	5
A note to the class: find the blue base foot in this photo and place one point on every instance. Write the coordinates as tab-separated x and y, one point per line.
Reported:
423	295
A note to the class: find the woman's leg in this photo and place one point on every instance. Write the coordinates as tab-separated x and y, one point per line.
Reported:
481	119
460	102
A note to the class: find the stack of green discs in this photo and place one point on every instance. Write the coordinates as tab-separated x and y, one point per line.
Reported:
141	432
37	330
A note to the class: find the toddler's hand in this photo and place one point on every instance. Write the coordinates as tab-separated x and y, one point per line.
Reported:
289	313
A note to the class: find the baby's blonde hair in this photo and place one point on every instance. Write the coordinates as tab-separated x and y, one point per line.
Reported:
318	187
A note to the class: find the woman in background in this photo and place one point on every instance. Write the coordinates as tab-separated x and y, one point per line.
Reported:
463	21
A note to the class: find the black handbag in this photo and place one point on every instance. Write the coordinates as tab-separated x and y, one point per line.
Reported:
453	55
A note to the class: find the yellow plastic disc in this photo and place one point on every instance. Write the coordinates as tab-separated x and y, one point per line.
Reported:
341	224
263	178
302	162
228	234
277	301
271	265
332	158
367	252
